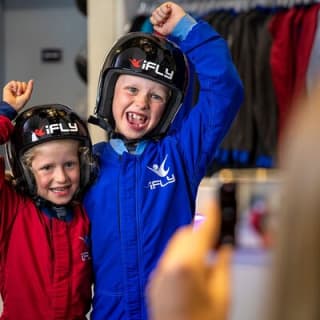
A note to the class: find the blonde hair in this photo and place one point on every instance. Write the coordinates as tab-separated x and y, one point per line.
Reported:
29	155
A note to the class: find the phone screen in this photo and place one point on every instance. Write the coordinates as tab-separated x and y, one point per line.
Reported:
248	203
227	197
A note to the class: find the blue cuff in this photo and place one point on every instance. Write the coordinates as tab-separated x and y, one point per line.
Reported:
242	157
7	111
265	162
147	26
183	27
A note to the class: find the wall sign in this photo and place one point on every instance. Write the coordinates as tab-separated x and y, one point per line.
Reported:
51	55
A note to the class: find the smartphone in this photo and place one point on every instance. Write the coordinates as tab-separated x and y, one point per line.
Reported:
227	197
249	201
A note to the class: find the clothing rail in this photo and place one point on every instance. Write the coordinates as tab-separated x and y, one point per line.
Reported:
201	6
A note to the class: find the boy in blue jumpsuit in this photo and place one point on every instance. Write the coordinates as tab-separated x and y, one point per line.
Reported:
149	175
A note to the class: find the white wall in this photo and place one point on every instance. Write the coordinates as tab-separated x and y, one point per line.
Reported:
101	35
30	26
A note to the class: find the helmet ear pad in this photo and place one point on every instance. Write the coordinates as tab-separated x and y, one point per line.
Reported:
30	180
88	170
27	180
106	94
23	177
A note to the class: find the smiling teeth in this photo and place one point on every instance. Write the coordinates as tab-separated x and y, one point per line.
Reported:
136	117
59	189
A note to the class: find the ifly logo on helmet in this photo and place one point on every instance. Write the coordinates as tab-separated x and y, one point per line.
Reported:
53	128
150	65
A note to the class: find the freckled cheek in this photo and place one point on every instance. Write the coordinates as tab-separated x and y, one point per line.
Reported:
42	185
116	112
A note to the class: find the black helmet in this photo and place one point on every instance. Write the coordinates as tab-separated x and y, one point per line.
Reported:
40	124
149	56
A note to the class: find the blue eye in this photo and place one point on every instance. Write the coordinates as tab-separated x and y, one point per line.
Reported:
46	168
132	90
157	98
70	164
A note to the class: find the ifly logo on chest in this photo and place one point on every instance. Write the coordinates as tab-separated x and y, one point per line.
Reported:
163	178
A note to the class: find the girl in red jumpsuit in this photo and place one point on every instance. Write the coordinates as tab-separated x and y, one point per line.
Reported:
45	259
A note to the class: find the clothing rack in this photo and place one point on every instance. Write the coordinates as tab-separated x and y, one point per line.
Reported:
251	28
202	6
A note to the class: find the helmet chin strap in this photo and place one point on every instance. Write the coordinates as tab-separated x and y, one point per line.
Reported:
131	144
104	124
101	122
60	212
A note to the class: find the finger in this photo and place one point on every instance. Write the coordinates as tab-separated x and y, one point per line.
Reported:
163	11
220	280
29	88
19	88
12	85
208	230
179	249
192	246
223	258
160	15
157	20
23	86
154	21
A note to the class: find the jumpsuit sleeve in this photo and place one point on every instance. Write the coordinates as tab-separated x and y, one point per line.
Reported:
8	196
220	97
7	113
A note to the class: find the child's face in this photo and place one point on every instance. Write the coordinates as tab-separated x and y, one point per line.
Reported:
56	169
138	105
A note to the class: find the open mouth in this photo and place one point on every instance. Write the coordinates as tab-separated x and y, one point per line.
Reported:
60	190
136	120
